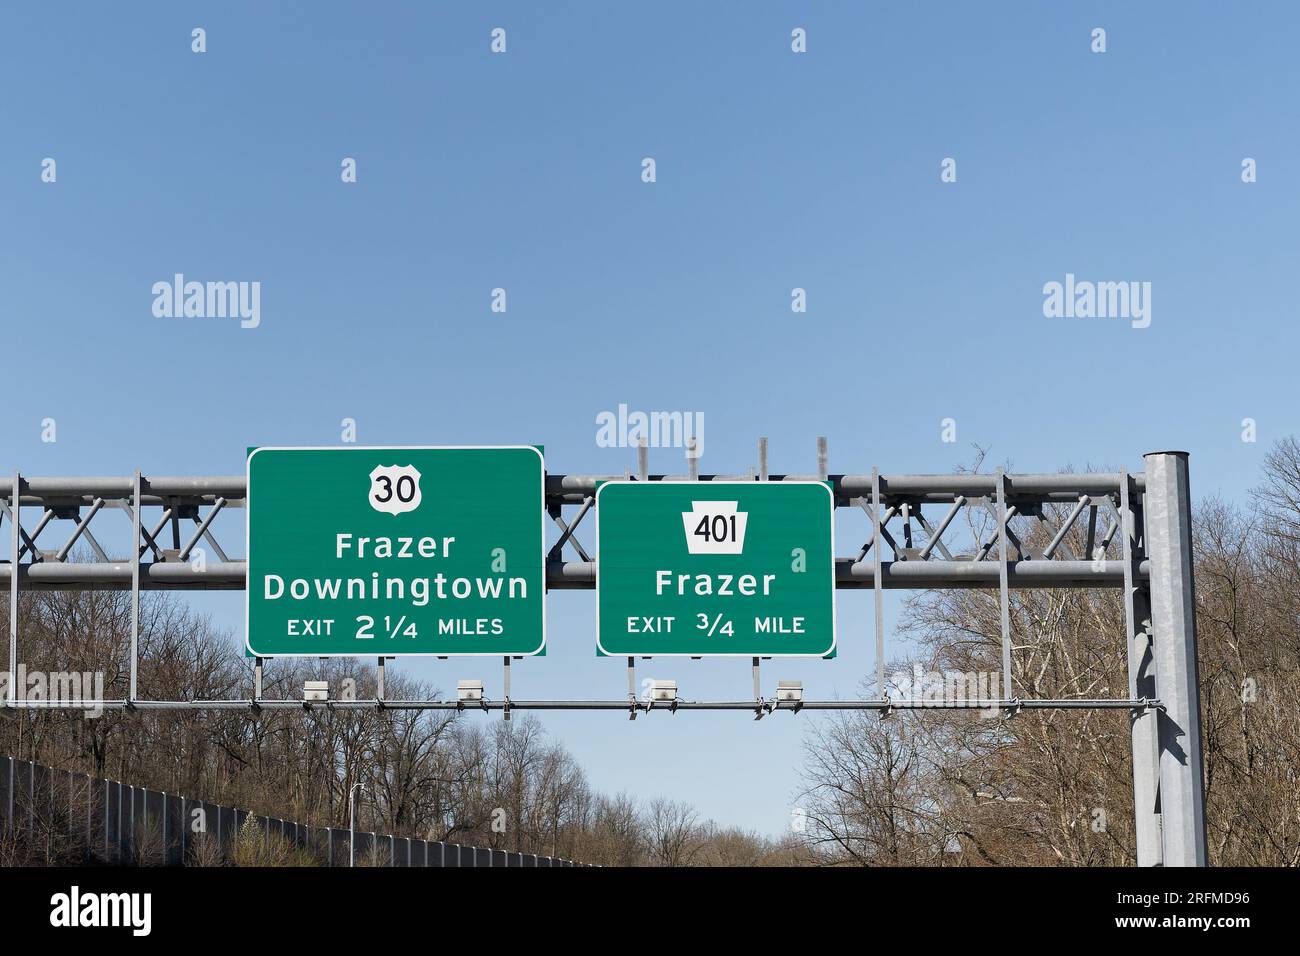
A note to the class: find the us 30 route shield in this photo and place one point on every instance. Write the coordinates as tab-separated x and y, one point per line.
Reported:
715	568
396	551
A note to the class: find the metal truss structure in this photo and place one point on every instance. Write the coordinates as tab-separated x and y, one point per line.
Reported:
994	531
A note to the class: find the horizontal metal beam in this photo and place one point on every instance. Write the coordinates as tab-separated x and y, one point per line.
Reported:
851	573
621	705
1054	487
1051	487
984	574
35	489
581	575
116	576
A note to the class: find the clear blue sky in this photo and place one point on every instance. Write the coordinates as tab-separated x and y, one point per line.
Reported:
775	170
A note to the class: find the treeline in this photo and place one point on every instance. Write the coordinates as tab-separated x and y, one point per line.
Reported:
429	774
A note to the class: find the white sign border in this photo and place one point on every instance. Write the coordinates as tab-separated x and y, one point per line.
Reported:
832	650
248	553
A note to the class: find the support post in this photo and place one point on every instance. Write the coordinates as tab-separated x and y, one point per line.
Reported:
135	584
631	687
1168	533
352	825
1004	598
379	680
14	527
877	584
1143	721
505	709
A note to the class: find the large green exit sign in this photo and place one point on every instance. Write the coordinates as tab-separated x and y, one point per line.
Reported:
715	568
396	551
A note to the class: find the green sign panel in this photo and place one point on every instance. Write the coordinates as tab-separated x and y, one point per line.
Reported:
396	551
715	568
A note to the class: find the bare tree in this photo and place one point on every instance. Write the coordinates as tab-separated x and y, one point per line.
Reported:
673	833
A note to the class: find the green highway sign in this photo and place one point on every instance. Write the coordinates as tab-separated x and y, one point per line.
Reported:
718	568
396	551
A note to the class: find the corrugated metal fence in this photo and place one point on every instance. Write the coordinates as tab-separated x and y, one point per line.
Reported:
115	823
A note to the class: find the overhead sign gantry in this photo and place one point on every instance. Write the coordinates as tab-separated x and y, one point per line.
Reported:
1126	531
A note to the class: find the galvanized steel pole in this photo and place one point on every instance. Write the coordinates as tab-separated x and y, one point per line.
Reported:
14	530
1168	517
1143	721
352	824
